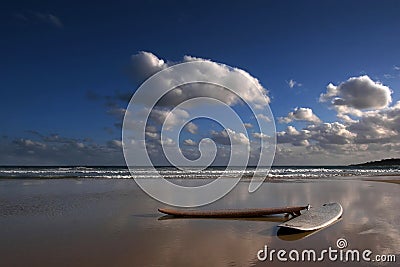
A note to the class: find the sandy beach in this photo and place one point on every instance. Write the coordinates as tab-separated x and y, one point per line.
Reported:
111	222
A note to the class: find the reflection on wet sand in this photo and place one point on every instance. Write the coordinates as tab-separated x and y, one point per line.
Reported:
279	219
385	179
113	223
288	234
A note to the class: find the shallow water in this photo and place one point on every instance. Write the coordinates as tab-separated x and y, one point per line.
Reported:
103	222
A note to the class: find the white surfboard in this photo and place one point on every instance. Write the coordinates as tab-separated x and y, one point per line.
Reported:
314	219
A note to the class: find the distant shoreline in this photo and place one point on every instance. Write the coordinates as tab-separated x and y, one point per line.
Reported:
379	163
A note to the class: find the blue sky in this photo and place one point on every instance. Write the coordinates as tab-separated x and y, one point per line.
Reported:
61	59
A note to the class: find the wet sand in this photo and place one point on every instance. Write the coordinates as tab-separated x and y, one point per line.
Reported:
70	222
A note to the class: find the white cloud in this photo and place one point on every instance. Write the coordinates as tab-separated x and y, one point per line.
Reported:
152	135
248	125
331	91
145	64
325	134
300	114
191	128
374	135
168	118
31	144
369	127
115	144
331	133
345	118
293	136
262	136
250	87
356	94
167	142
228	136
292	130
263	117
189	142
396	67
292	83
379	126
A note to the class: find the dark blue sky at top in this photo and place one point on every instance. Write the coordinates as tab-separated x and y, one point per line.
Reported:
47	70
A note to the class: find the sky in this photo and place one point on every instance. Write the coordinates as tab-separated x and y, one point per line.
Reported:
329	69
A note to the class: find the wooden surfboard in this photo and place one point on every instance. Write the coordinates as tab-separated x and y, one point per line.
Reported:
314	219
233	213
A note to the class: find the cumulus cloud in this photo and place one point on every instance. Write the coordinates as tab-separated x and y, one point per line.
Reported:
152	135
379	126
53	149
189	142
228	136
356	94
375	123
374	135
115	144
300	114
144	64
248	125
191	128
167	118
368	127
324	135
263	117
167	142
293	136
262	136
292	130
331	133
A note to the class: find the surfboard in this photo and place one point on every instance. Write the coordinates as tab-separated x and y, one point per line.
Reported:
233	213
314	219
290	234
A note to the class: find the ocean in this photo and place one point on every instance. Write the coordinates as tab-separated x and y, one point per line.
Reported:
276	172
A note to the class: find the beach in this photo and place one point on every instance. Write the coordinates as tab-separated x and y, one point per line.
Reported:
111	222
